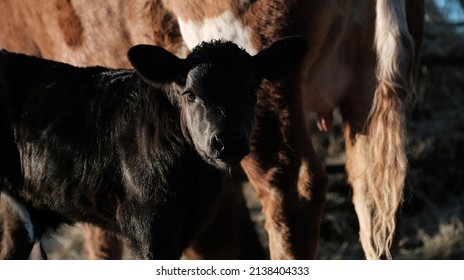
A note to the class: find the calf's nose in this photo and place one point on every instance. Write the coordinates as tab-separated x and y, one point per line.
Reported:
230	145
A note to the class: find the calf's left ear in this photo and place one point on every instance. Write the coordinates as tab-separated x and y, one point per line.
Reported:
156	64
281	58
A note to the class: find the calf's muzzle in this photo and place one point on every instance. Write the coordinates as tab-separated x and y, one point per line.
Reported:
230	146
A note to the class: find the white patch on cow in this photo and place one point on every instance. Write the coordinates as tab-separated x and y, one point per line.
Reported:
19	209
224	26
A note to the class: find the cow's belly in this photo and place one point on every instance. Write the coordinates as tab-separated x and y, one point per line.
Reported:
324	85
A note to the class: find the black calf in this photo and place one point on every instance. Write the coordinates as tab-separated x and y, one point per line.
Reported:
138	152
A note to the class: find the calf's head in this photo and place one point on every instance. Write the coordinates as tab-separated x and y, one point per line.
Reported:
216	89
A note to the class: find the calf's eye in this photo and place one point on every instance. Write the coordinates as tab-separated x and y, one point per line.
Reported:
191	97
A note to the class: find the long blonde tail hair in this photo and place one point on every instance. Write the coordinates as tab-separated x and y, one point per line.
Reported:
386	135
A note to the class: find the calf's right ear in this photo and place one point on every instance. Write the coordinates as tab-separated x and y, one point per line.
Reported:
281	58
156	64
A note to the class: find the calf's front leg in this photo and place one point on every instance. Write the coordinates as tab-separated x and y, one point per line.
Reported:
152	234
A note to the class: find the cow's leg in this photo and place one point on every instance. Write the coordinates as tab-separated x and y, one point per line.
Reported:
230	233
16	242
100	244
355	111
287	175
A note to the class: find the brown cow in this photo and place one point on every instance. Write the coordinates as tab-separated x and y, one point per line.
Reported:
362	60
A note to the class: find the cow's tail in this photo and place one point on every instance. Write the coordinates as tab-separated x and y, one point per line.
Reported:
386	136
